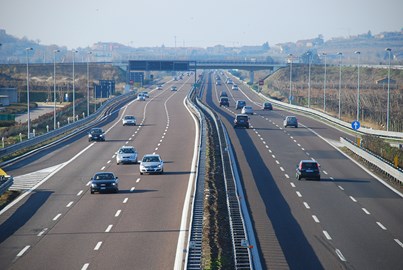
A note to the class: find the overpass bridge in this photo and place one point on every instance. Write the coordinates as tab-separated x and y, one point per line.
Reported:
172	65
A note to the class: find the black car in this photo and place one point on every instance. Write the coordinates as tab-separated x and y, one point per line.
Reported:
224	101
104	182
240	104
267	106
96	134
241	120
308	169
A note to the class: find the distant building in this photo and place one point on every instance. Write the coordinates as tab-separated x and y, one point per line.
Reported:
385	81
10	93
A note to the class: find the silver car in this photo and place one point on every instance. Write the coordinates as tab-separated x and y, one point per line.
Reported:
291	121
247	110
126	154
151	163
129	120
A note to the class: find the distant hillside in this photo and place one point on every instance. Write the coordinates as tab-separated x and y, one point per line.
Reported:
372	48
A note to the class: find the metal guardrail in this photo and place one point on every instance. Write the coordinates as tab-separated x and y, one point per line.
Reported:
379	162
194	245
5	183
240	239
54	133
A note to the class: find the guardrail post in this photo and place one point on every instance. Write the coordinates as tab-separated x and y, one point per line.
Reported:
76	117
2	141
20	137
33	131
58	124
83	115
47	128
68	120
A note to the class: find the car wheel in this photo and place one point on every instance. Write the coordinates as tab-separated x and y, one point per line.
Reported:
141	173
92	192
298	177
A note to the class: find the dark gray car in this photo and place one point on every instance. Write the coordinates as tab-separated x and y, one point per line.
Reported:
104	182
291	121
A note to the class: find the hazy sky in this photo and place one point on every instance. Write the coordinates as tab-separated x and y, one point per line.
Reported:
202	23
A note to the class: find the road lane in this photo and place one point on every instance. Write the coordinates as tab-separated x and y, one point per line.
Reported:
316	224
149	203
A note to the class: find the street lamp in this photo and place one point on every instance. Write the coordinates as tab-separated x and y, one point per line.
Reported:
88	83
309	78
74	91
388	105
340	55
29	111
358	84
290	97
54	88
324	86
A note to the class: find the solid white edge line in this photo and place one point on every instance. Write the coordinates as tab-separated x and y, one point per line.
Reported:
23	251
187	202
18	199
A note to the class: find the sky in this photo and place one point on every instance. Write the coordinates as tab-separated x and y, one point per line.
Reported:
191	23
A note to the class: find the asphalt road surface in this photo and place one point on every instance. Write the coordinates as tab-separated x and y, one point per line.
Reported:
61	225
348	220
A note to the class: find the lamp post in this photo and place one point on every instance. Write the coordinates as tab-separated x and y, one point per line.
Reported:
74	90
358	84
29	111
388	105
309	78
54	88
88	83
324	85
290	95
340	55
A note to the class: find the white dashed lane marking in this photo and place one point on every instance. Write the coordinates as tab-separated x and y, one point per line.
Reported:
399	243
315	218
69	204
109	228
366	211
42	232
307	205
125	200
118	213
81	191
98	245
23	251
381	225
85	266
132	189
56	217
327	235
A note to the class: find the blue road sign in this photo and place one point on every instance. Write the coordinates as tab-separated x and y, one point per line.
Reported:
355	125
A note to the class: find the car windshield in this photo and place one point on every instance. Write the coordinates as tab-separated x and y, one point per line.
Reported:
96	131
129	117
104	176
151	159
248	108
127	150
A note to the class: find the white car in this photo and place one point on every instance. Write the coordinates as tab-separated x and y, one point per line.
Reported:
159	87
235	87
247	110
126	154
145	94
129	120
173	88
141	97
151	163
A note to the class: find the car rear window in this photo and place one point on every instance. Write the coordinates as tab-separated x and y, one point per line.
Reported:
309	165
242	117
127	150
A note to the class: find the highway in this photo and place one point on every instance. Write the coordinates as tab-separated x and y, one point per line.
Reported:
348	220
61	225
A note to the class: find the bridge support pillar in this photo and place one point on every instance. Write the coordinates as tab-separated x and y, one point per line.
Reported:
251	76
